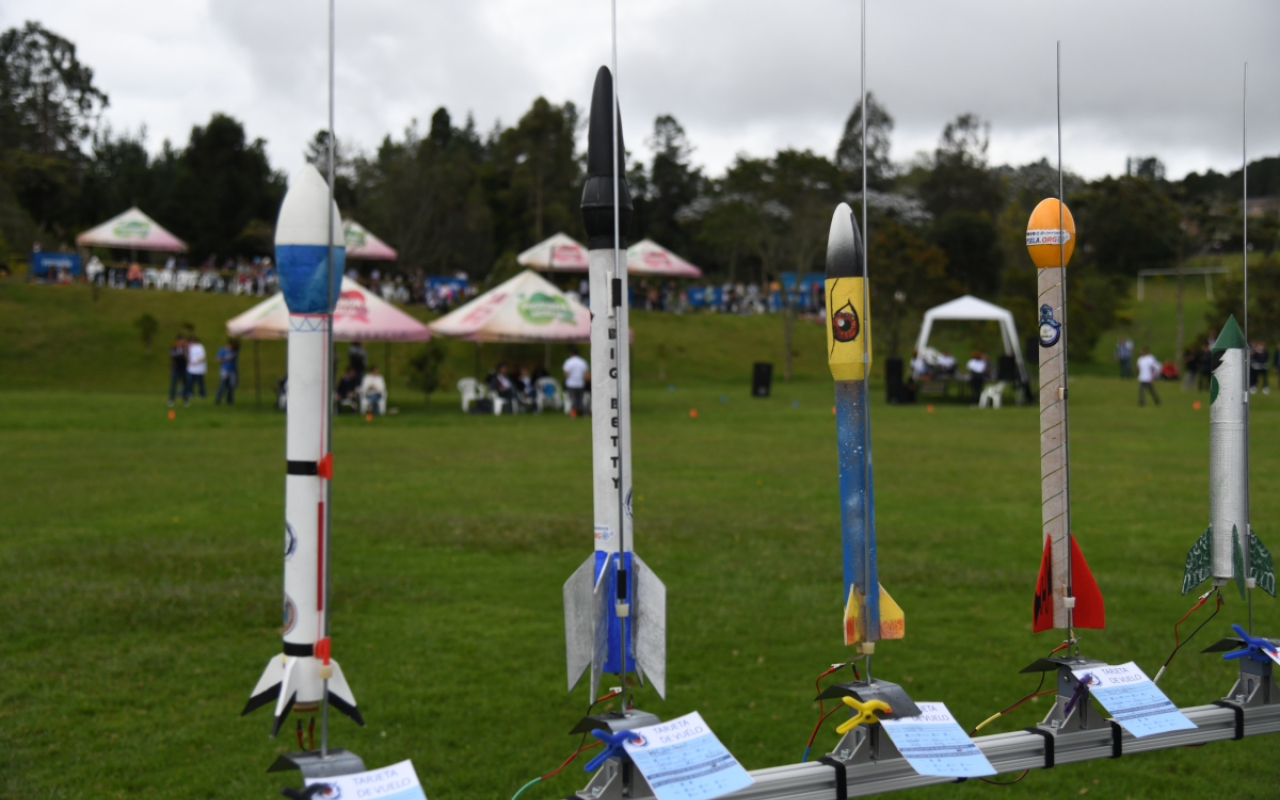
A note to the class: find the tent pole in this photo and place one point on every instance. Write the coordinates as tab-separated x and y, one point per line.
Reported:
386	359
477	370
546	360
257	379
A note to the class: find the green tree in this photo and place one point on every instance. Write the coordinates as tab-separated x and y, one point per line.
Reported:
48	103
425	196
317	155
849	151
1127	224
907	274
534	177
670	185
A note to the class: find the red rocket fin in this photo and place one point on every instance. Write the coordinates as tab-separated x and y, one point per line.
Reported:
1042	613
1090	612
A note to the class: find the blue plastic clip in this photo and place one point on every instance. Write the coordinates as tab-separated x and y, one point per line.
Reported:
1255	648
1081	685
612	747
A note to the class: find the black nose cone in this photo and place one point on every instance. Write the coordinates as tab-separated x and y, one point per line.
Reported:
597	195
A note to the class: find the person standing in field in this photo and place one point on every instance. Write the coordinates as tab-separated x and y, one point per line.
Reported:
197	366
1259	361
576	374
357	357
228	371
1124	356
178	371
1148	372
977	368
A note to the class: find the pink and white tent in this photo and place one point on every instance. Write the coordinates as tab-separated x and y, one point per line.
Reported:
647	257
132	230
360	316
526	308
557	254
362	244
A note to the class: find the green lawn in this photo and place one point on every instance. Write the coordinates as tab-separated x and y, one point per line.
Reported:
143	566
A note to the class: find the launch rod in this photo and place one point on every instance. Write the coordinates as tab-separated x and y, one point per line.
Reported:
326	383
1244	206
620	274
1007	752
866	355
1066	426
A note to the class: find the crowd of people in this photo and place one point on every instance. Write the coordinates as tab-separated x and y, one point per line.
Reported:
1197	367
189	364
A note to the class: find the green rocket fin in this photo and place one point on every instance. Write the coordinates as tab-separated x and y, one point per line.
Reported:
1199	562
1260	568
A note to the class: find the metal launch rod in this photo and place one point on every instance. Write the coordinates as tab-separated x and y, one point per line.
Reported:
1066	427
620	275
1244	157
866	356
326	383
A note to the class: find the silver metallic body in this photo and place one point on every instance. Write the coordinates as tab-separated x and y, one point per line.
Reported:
1229	462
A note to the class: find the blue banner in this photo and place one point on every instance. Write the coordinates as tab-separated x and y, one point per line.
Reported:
42	263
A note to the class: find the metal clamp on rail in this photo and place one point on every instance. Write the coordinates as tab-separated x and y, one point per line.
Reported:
842	781
1048	744
1117	739
1239	709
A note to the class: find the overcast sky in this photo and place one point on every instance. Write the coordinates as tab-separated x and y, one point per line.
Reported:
1139	78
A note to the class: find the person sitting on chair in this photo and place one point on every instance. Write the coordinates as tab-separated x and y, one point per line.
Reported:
374	391
505	387
347	393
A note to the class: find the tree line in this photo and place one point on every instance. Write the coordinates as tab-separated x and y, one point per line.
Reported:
454	199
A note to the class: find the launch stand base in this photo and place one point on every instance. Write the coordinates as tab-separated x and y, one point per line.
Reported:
617	778
1073	708
867	743
313	765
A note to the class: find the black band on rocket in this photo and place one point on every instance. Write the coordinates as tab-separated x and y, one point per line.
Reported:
301	650
302	468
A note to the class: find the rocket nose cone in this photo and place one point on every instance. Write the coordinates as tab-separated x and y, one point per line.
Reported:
597	194
600	129
302	217
844	245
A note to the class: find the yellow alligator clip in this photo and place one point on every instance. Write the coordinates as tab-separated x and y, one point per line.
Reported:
866	712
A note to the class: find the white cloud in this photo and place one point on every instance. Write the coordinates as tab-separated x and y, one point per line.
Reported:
741	75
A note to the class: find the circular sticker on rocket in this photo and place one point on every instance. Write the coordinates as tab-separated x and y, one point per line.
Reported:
1050	328
290	615
844	323
290	541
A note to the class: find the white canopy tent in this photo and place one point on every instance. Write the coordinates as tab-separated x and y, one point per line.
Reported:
973	309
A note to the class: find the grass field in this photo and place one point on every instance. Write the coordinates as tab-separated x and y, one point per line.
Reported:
143	566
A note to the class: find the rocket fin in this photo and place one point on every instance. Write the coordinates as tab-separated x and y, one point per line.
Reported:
268	688
853	608
288	694
893	623
579	620
1237	560
1042	609
1090	611
340	696
1260	568
600	597
650	614
1199	561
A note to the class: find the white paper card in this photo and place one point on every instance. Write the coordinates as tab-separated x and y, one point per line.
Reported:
935	744
1137	704
396	782
683	760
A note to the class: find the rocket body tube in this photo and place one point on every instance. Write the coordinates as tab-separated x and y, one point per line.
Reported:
1228	457
297	676
615	606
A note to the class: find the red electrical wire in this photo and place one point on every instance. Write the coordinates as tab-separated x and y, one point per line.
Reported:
1005	783
582	746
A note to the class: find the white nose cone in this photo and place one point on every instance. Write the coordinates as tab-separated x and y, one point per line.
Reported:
302	219
302	245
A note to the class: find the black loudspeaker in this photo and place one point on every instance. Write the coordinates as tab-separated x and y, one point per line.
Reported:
761	379
1007	369
893	380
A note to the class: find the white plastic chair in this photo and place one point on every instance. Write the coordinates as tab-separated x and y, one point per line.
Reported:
151	278
547	393
471	391
992	395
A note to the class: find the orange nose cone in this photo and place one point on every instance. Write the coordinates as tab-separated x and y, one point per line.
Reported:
1042	235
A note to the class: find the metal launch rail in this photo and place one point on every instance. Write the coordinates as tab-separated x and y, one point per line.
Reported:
1007	752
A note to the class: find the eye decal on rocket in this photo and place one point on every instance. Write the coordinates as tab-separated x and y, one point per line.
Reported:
1050	329
844	323
290	616
290	541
